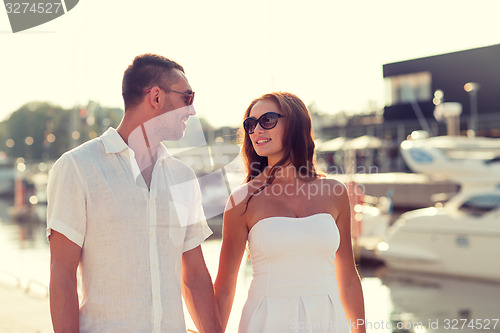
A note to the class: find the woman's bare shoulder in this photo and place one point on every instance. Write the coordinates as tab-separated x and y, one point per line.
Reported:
237	203
336	187
240	195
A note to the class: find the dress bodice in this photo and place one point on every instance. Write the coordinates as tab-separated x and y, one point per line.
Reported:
294	256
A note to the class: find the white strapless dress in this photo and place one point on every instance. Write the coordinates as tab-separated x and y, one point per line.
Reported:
294	286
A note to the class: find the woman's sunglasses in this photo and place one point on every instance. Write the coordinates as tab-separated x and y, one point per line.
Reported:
267	121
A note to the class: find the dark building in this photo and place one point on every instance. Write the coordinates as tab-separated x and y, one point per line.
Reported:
410	90
411	84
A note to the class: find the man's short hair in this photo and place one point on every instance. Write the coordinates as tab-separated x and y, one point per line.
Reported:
146	71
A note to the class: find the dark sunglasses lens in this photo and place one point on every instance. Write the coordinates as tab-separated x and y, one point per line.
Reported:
268	121
249	125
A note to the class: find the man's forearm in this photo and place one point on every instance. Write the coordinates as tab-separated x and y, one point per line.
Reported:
64	308
200	301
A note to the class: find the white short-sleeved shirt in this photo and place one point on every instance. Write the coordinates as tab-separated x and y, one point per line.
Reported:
132	238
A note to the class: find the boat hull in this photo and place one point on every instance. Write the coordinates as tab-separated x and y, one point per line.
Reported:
441	244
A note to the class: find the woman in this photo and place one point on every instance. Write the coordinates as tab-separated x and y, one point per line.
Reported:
297	224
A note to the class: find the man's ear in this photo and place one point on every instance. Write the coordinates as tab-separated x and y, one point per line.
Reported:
154	97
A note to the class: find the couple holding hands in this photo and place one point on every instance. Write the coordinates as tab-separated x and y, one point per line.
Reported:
130	216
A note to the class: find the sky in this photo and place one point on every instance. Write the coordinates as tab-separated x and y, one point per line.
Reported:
327	52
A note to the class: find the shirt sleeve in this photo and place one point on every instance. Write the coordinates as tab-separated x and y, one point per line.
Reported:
197	229
66	201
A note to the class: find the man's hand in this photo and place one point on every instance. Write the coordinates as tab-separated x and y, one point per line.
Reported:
198	292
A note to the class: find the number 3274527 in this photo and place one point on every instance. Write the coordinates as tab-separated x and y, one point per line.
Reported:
33	8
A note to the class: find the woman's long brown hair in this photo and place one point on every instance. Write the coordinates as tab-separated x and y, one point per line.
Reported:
298	141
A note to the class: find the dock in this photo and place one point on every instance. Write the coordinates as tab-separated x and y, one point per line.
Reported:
22	311
409	190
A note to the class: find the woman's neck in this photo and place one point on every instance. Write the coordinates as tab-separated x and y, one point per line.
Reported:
289	173
285	172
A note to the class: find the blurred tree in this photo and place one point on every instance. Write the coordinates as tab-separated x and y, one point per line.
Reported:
26	129
43	131
4	137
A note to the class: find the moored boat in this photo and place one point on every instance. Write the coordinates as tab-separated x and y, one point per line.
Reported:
461	237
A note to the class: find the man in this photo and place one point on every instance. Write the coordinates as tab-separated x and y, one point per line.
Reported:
130	215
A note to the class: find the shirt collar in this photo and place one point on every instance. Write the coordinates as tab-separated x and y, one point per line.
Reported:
113	142
162	153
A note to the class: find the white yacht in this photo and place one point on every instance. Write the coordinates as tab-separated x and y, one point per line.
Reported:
465	160
461	237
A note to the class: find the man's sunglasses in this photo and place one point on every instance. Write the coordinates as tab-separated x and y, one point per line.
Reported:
190	96
267	121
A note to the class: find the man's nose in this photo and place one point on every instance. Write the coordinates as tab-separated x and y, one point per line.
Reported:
191	110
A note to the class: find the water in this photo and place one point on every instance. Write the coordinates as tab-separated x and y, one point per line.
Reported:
24	254
394	302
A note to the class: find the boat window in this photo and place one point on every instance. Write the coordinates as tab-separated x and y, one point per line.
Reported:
481	204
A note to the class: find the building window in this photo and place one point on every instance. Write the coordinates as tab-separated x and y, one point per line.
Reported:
481	204
407	88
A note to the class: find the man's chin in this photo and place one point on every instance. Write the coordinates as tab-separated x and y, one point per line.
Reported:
175	136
